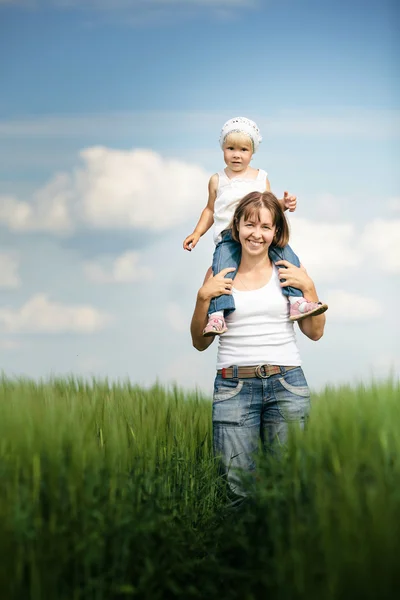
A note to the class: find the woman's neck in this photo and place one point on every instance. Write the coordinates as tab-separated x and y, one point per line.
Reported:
253	273
254	264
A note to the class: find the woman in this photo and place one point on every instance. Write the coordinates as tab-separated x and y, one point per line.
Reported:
259	387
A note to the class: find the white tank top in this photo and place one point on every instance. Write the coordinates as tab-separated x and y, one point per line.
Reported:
229	192
259	330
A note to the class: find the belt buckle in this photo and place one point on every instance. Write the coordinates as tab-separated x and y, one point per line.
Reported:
261	374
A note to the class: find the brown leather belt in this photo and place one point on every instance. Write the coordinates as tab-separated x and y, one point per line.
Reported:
261	371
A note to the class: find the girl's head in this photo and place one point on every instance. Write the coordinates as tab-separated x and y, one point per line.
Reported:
242	129
252	207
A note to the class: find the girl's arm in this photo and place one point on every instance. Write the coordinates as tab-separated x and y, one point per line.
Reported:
312	327
206	218
288	202
211	288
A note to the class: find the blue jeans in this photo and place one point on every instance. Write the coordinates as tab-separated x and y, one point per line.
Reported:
249	411
228	253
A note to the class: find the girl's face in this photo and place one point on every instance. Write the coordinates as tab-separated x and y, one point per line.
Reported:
256	232
238	150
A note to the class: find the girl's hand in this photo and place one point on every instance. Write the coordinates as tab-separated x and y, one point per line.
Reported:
295	277
217	285
289	202
191	241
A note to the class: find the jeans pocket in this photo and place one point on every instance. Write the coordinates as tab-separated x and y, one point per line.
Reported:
297	390
231	403
293	396
225	391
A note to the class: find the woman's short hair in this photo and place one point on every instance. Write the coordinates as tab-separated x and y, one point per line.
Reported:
251	205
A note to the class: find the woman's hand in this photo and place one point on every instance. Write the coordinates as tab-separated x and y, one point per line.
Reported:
211	288
295	277
313	326
216	285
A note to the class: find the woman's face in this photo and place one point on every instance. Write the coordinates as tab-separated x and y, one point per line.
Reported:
256	233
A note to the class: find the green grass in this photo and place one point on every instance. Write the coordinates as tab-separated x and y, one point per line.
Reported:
111	491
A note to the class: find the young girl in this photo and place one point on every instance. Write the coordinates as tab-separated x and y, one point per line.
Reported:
240	138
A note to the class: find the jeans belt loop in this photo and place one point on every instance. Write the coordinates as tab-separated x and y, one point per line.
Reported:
235	372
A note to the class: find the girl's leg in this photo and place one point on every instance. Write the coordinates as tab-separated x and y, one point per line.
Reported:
300	307
227	254
236	418
286	253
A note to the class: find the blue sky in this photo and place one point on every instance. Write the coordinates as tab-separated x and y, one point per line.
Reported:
110	115
333	53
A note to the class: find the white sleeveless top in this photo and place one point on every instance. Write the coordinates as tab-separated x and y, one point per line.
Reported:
229	192
259	330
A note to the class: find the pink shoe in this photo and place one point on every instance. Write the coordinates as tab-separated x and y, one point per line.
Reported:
215	326
308	309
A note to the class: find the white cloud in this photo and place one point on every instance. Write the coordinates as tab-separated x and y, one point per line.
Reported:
345	306
126	268
394	204
9	277
329	207
326	250
50	209
138	188
40	315
115	189
380	241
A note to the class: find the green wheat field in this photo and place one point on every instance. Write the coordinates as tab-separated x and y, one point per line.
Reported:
110	491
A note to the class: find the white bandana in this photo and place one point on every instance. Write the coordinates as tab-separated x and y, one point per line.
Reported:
241	125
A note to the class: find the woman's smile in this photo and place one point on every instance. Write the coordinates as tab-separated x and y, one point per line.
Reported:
255	244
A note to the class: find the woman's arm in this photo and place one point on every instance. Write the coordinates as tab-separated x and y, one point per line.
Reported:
211	288
312	327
